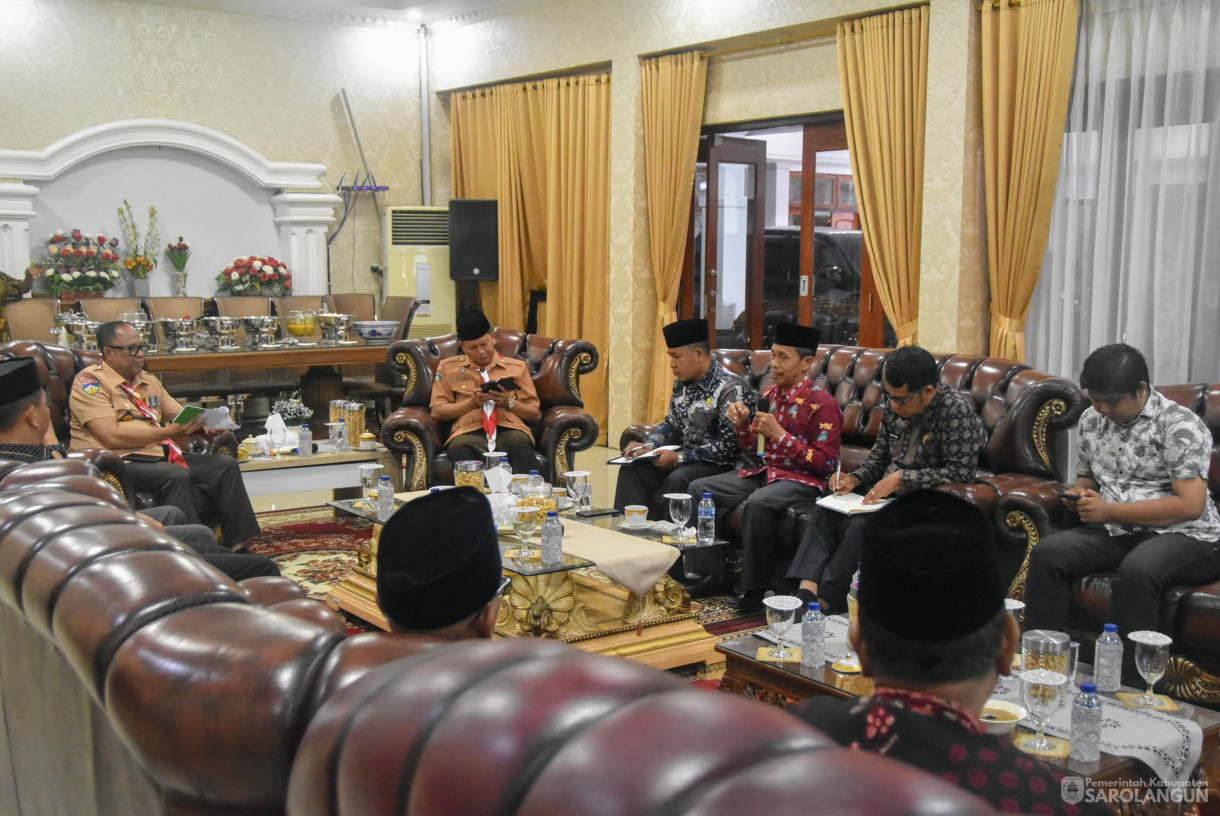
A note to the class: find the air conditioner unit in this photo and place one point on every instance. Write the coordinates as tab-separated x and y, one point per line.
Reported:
417	264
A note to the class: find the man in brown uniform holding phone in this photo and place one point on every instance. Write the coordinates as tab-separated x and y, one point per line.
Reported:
116	404
489	398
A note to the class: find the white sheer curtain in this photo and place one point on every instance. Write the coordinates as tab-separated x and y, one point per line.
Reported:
1134	249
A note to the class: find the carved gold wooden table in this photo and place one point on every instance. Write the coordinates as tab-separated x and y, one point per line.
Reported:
573	602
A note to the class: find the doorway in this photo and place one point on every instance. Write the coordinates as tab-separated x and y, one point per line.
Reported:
782	241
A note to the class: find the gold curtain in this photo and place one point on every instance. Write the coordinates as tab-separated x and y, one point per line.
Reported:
1028	51
542	149
673	92
883	67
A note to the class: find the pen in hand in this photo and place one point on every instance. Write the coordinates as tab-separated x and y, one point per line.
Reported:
838	475
637	451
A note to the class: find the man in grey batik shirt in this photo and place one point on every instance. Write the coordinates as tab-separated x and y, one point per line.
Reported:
1143	497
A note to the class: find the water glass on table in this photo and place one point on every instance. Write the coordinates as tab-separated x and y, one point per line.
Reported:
781	610
1151	659
1042	691
679	511
579	489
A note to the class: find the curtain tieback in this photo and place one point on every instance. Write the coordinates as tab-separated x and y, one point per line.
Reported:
1011	325
907	332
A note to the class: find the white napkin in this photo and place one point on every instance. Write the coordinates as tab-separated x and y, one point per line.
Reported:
498	479
501	506
275	424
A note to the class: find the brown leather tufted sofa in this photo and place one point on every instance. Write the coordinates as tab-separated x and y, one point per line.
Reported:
1190	615
535	728
1022	410
58	367
135	678
564	429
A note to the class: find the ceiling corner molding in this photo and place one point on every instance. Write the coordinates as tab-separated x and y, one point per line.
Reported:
46	164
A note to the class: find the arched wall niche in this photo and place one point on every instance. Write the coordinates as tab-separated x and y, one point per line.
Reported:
221	194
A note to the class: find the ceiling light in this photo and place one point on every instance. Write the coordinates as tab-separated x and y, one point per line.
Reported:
414	15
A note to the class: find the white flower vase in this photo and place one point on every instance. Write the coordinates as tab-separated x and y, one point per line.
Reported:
141	288
180	284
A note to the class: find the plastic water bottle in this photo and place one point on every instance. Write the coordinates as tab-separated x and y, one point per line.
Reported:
385	499
535	480
338	436
552	538
705	532
507	467
1109	659
813	637
1086	725
304	441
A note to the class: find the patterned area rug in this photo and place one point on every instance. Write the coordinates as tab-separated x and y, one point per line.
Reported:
316	547
312	546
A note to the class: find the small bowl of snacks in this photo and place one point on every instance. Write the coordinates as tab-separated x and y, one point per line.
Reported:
376	332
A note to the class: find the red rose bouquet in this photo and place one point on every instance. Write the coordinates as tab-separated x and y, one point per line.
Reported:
77	262
255	275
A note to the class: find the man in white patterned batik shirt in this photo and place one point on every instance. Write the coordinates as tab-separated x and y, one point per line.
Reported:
1142	494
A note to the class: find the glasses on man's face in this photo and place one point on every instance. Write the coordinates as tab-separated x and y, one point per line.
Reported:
506	583
900	401
134	351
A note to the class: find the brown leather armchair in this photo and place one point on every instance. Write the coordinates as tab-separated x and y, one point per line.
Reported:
564	429
58	367
572	732
1022	411
1190	615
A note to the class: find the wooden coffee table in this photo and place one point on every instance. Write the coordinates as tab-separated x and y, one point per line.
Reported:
781	684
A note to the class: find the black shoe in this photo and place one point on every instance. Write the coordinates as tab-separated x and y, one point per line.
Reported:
750	602
708	585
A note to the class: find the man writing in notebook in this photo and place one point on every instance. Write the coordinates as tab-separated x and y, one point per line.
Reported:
491	419
800	423
930	435
697	423
116	404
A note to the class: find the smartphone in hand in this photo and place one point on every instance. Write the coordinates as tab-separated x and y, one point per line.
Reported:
1063	494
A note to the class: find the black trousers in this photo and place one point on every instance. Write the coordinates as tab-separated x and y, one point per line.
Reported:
209	480
645	483
829	555
762	505
202	540
516	444
1145	565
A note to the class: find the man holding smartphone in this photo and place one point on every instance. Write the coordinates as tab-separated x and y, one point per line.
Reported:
1141	491
488	397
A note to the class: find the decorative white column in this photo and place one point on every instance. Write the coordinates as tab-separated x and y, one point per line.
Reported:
303	220
16	210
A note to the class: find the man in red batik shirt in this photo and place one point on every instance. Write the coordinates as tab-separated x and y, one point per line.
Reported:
801	430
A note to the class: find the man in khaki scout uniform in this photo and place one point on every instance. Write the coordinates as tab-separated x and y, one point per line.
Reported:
481	416
117	405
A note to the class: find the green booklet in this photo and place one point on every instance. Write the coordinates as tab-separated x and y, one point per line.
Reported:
188	413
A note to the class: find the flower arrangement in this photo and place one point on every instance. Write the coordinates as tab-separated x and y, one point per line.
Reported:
255	275
141	255
292	410
178	254
76	262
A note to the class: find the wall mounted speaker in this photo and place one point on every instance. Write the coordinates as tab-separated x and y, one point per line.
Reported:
474	239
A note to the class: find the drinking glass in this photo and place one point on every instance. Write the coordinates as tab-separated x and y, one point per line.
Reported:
679	511
1073	658
369	476
278	438
1042	692
850	661
780	609
579	489
525	522
1151	658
